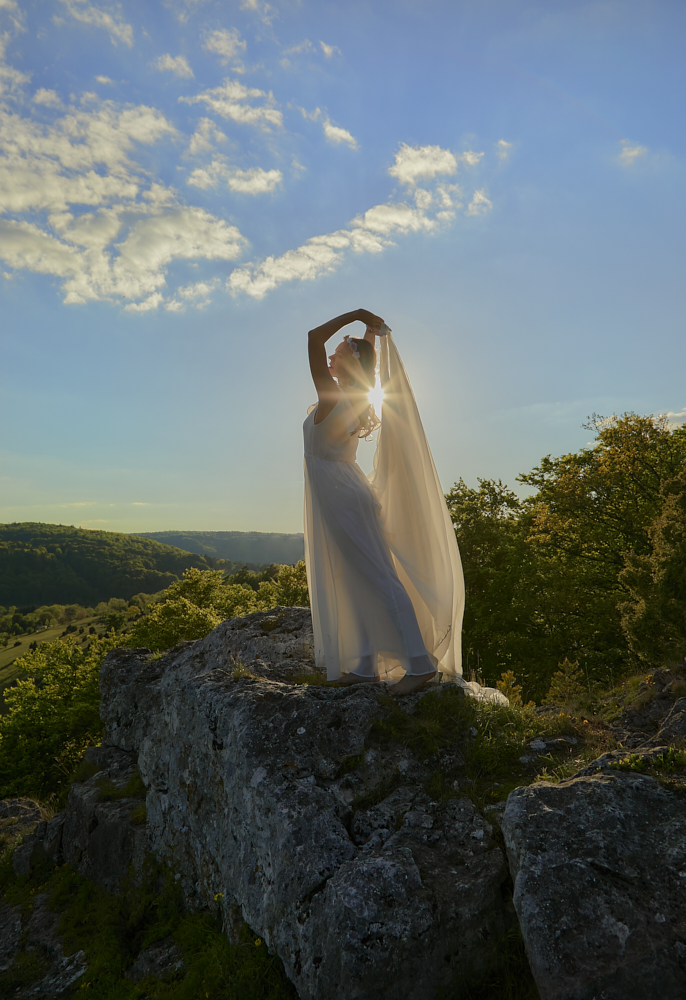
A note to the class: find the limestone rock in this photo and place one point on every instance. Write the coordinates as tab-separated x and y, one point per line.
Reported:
159	960
673	726
99	838
10	935
599	867
262	796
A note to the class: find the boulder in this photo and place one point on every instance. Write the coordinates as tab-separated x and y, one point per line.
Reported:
263	796
100	838
599	869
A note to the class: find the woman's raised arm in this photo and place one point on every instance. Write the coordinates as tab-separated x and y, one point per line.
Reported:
317	338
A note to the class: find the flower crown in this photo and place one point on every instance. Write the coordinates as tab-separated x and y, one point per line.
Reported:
352	345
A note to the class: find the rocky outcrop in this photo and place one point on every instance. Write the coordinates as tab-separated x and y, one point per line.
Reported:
269	797
599	868
262	796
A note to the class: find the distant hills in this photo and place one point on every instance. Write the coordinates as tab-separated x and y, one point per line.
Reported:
239	546
58	564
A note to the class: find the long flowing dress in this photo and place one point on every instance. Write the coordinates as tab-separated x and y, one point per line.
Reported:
383	567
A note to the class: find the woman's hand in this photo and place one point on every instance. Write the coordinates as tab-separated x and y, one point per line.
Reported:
367	317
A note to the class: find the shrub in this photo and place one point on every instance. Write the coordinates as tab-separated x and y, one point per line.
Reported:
510	688
566	686
53	715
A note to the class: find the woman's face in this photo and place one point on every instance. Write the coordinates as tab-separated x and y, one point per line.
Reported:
337	360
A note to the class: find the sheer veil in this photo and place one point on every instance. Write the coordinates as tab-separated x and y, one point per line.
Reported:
415	519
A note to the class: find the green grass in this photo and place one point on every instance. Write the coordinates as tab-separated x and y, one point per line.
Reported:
113	930
489	738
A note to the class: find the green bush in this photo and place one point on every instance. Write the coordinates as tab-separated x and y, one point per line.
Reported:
53	715
112	930
191	608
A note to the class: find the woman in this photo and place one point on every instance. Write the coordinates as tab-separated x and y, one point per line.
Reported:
383	569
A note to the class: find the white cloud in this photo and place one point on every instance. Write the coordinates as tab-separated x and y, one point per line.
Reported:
83	160
391	218
252	181
470	157
337	135
112	23
11	79
370	232
230	101
413	162
676	419
104	80
329	50
264	11
178	65
479	204
204	138
630	153
226	43
295	50
184	8
503	149
152	302
47	97
197	295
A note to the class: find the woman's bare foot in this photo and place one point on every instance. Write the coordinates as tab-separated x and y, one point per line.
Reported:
410	682
352	678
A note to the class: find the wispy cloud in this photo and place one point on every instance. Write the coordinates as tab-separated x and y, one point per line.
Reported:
337	135
12	22
252	181
230	100
479	204
184	8
413	163
630	153
178	65
198	294
334	133
104	80
109	20
329	50
370	232
295	50
503	149
225	43
205	137
264	11
47	97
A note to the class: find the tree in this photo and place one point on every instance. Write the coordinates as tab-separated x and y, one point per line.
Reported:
53	715
654	612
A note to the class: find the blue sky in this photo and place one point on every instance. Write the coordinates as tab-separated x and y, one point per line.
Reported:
187	186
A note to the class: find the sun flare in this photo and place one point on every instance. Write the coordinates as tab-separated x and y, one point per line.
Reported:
376	396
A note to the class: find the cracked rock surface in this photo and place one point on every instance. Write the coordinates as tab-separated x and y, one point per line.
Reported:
260	792
599	867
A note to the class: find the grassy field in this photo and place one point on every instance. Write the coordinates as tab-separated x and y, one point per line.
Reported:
8	656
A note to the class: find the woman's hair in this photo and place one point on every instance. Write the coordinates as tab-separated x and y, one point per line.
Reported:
367	360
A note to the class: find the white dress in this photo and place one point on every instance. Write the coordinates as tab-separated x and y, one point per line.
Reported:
383	567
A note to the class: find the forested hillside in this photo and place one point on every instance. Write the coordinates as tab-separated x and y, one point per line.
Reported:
251	547
55	563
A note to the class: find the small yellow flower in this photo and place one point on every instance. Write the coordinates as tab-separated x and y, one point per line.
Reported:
258	942
219	895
